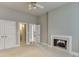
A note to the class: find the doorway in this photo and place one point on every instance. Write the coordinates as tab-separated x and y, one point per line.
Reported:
29	34
22	28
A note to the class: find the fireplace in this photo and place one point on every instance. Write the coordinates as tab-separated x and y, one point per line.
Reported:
60	43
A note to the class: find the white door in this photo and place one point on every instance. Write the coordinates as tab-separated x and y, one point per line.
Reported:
30	33
1	34
10	34
37	33
7	34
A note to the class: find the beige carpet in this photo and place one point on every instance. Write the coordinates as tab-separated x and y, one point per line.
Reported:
33	51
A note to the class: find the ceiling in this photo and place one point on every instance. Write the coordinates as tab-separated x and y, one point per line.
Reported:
21	6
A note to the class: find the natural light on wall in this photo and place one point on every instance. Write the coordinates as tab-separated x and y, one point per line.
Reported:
21	26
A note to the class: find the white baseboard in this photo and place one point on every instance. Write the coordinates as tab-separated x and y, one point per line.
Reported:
49	45
17	45
74	53
27	43
44	43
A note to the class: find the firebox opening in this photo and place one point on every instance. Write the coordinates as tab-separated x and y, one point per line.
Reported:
60	43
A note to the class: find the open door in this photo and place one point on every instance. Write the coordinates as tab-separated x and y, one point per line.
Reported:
31	33
34	33
37	33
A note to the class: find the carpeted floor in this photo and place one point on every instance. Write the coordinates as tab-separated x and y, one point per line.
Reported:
33	51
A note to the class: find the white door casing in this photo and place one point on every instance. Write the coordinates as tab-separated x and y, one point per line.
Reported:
27	34
1	35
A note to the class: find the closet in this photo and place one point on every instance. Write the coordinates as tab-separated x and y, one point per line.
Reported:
7	34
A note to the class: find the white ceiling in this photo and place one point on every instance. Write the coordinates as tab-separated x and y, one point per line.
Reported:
20	6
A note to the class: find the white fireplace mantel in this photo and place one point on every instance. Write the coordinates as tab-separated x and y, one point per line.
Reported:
62	37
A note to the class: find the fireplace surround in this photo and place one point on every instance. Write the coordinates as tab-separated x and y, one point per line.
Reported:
61	42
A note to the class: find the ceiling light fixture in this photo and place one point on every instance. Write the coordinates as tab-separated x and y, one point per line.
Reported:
34	5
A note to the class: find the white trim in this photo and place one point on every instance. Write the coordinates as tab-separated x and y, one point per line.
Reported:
75	53
27	34
18	45
69	43
28	43
44	44
71	52
32	33
18	34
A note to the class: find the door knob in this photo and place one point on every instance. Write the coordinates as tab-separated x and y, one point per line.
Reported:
6	36
2	36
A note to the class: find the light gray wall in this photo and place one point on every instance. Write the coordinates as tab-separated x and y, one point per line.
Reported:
8	14
43	21
65	21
